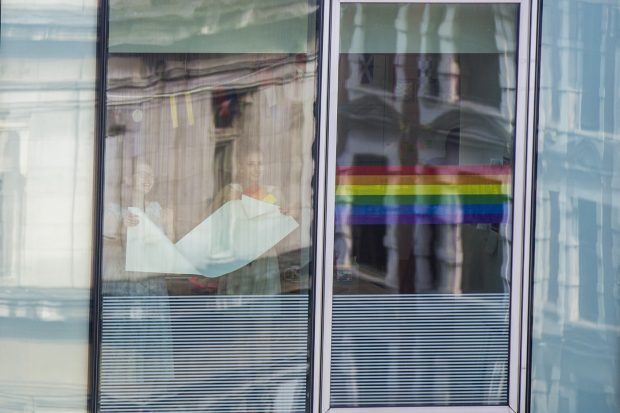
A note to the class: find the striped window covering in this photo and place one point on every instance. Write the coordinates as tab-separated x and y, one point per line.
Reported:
420	350
204	353
450	194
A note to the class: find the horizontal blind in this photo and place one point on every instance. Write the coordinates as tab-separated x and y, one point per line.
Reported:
204	353
414	349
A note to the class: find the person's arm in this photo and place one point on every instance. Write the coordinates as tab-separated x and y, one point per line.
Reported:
229	193
112	222
167	222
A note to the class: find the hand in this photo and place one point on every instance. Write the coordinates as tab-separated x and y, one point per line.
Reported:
131	220
232	192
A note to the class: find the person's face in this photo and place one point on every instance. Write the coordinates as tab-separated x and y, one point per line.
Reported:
254	167
144	179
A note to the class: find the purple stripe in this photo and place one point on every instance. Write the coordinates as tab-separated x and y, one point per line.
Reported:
343	219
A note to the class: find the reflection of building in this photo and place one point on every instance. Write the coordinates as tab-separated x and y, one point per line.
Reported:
46	174
401	105
576	329
11	196
213	120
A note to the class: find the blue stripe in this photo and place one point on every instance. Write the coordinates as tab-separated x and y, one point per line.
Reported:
416	209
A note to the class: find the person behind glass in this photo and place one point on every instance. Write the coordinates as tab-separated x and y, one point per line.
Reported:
261	276
117	221
250	183
148	318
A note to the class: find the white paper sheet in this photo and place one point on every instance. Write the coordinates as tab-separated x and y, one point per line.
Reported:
149	250
233	236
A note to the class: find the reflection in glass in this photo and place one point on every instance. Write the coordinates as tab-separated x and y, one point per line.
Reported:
423	199
208	212
47	133
576	306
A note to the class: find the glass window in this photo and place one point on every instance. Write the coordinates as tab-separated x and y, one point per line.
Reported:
422	198
47	136
208	206
576	306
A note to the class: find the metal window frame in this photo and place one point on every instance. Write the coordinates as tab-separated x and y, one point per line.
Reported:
525	131
521	223
529	204
94	353
316	294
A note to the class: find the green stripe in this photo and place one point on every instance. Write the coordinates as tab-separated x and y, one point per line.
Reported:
421	199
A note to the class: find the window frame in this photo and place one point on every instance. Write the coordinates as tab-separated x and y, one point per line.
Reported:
521	219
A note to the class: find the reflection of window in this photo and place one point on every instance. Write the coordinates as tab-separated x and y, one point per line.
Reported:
429	78
368	248
11	193
588	260
367	68
591	67
222	164
226	107
554	246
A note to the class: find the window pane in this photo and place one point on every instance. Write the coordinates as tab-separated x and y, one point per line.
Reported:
576	307
208	212
47	135
423	221
212	26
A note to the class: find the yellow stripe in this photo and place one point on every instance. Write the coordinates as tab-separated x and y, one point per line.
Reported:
189	109
422	189
173	112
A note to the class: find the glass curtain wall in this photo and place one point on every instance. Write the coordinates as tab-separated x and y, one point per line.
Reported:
424	158
47	136
207	238
576	307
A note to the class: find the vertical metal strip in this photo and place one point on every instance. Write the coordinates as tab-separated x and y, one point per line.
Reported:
330	191
521	186
319	239
98	196
530	205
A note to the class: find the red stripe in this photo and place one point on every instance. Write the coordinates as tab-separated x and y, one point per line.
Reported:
426	170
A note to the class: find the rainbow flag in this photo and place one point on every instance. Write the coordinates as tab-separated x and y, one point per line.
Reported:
426	194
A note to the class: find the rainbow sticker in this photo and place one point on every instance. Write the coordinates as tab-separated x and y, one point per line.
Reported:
446	194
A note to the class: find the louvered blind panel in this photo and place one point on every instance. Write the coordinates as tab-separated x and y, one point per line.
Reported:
204	353
411	350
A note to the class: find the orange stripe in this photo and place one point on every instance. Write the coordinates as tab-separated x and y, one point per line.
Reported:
422	179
